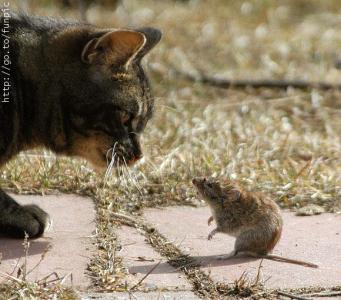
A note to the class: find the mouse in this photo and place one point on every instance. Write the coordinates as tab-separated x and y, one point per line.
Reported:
252	218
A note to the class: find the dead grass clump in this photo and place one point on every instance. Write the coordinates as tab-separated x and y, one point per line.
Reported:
17	290
17	286
245	286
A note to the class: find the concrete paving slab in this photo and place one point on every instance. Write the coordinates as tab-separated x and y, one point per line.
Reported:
327	298
315	239
139	258
68	240
162	295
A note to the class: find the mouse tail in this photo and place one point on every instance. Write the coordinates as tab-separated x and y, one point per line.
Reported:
289	260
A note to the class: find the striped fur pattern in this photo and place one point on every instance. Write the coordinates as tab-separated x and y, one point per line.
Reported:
77	90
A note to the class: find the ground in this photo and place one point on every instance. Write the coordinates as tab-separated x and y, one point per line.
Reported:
285	143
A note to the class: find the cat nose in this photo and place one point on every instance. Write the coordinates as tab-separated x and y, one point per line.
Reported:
138	157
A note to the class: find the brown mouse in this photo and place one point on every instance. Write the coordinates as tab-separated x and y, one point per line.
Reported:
252	218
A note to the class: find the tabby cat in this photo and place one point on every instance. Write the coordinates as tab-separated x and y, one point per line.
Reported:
75	89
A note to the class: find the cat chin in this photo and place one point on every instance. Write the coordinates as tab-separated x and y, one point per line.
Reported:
100	163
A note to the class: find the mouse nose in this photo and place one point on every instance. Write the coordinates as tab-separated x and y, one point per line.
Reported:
198	180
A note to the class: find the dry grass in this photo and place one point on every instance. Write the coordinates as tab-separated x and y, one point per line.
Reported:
286	143
16	286
16	289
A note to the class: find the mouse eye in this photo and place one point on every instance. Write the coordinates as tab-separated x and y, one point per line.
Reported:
209	185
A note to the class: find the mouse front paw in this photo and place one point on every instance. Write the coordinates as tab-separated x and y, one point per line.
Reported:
211	234
210	220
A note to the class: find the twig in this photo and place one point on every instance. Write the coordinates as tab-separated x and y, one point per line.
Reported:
8	276
258	277
300	172
243	83
48	276
124	219
292	296
41	259
23	269
324	294
65	277
145	276
15	267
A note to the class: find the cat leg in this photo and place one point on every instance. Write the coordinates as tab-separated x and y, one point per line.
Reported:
16	220
210	220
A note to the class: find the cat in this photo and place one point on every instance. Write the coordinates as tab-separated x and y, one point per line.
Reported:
75	89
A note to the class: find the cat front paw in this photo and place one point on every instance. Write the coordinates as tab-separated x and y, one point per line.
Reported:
27	219
38	222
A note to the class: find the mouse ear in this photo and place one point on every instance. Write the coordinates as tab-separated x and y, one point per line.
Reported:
234	195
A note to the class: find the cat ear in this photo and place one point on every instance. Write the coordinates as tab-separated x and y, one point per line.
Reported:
153	36
114	48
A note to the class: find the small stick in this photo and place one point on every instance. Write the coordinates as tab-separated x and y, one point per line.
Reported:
243	83
300	172
292	296
8	276
23	268
325	294
125	219
145	276
48	276
258	277
41	259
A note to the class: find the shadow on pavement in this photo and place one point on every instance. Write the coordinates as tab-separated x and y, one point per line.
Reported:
201	261
14	249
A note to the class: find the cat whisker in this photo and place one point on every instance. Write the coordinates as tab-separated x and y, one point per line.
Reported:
124	177
168	107
134	181
117	170
107	154
109	169
111	149
134	176
132	132
148	164
112	162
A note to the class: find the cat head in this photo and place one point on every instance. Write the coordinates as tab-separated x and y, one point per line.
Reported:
111	98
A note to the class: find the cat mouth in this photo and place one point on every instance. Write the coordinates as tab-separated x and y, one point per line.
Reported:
119	159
